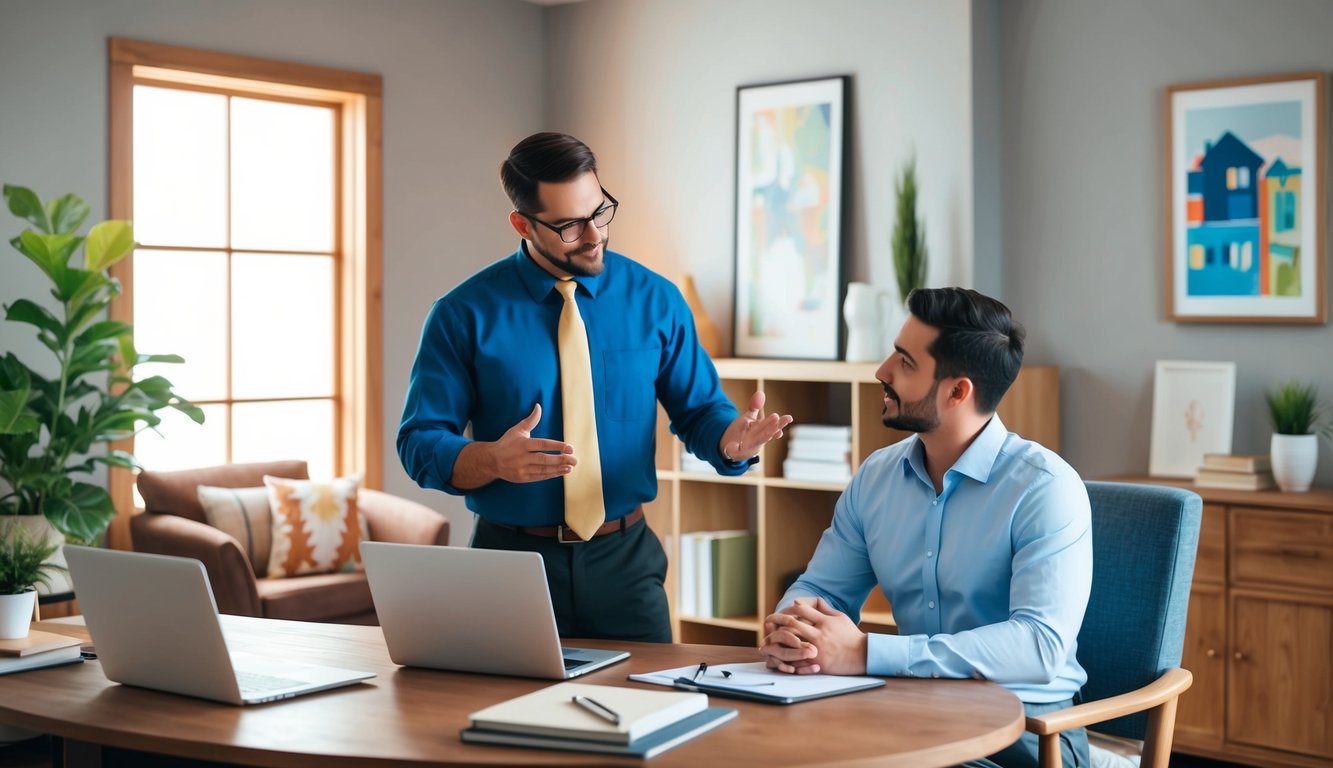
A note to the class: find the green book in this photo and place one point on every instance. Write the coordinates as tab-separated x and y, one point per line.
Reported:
734	579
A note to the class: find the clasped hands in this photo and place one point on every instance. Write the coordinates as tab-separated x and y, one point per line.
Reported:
810	636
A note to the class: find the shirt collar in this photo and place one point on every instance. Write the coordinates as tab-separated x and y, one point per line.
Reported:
539	283
976	462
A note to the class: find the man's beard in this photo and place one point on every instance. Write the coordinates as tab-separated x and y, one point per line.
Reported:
918	416
566	262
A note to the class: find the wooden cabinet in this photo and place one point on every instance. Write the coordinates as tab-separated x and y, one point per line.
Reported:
1259	634
788	516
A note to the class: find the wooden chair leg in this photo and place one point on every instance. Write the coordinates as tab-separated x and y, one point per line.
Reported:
1159	735
1049	752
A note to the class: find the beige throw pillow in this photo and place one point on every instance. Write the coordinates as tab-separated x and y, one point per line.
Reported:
317	526
243	514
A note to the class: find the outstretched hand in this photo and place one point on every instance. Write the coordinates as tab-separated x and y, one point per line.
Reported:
751	430
521	458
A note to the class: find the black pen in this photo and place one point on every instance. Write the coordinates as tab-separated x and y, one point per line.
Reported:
601	710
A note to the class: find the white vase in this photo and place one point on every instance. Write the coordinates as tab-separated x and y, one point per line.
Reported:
16	614
1294	459
864	310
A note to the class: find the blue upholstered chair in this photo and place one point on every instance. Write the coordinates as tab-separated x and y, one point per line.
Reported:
1144	540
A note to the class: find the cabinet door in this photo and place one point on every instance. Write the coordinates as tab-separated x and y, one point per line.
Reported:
1281	673
1201	715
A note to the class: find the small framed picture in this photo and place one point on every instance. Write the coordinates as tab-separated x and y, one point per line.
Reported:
1245	196
1193	406
790	179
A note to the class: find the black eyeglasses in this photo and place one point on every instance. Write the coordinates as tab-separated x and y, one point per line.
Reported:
572	230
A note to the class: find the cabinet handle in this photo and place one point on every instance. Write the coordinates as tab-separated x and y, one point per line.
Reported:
1238	656
1306	554
1210	653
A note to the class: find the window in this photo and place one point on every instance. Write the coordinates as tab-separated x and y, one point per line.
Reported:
1231	178
254	188
1244	181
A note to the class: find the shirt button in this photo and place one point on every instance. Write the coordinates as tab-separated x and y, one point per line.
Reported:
935	503
930	553
931	604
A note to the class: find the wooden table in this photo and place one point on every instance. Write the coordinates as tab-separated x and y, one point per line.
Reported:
409	717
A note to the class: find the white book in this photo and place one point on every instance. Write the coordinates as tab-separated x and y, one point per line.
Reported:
553	711
816	471
819	451
686	597
820	431
703	574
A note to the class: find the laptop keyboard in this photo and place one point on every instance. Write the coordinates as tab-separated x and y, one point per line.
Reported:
259	683
572	663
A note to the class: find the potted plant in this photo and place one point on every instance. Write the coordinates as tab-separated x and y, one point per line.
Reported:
24	563
1294	408
909	236
55	417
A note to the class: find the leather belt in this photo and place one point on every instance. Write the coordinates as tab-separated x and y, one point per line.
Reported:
564	535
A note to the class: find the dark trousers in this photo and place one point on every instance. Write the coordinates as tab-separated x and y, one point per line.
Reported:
607	588
1023	753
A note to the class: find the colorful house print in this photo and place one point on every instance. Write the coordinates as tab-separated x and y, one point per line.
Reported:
1280	213
1224	247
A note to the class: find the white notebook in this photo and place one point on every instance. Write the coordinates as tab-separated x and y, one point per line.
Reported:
552	711
754	680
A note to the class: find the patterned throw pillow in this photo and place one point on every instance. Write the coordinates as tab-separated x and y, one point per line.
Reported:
317	527
242	513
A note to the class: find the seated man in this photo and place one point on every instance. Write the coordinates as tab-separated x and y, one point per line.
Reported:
981	540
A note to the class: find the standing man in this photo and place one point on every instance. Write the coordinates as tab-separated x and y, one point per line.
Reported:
557	356
981	540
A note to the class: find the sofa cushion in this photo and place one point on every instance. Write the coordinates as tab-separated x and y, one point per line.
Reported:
174	493
243	514
321	597
317	527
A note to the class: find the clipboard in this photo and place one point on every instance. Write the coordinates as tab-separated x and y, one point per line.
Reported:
754	681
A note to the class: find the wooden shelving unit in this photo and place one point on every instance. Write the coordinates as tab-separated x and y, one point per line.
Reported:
788	516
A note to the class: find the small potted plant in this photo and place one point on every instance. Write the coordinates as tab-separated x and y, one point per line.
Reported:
1294	408
23	565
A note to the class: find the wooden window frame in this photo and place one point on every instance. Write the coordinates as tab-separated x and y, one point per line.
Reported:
359	411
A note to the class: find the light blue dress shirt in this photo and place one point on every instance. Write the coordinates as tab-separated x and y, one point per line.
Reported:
488	352
988	580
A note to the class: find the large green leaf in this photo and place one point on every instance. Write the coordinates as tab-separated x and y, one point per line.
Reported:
107	329
75	285
49	252
15	418
24	311
108	243
25	204
82	514
191	410
66	213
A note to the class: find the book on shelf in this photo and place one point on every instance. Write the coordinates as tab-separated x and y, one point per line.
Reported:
819	450
817	471
643	747
554	711
718	573
831	432
1244	481
1237	462
39	649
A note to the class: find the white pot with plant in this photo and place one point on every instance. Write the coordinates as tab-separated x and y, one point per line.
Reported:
24	564
1294	408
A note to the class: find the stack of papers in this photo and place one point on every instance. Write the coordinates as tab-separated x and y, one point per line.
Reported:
597	718
39	649
755	681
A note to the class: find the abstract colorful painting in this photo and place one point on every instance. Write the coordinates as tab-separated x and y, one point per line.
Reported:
1245	187
789	184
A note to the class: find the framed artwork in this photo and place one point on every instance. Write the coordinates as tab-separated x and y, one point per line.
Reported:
790	172
1245	196
1193	406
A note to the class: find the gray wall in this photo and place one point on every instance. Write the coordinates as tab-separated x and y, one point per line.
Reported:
1084	205
461	83
651	86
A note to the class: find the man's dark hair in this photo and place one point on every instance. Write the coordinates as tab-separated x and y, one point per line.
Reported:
548	157
978	339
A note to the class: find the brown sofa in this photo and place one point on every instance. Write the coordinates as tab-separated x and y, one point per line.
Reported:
173	523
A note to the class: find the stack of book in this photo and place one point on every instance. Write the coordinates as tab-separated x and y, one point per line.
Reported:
597	718
39	649
691	463
818	453
717	573
1237	471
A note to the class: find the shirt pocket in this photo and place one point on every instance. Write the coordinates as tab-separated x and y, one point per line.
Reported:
631	383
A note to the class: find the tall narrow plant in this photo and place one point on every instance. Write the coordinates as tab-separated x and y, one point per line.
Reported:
1294	409
909	236
51	424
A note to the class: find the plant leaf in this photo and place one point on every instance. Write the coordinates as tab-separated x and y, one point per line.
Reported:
49	252
66	213
107	329
108	243
32	313
15	417
25	204
82	514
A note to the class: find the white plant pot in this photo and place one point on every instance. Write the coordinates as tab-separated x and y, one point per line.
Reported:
16	615
1294	460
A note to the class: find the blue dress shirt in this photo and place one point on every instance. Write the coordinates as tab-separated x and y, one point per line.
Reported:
988	580
488	353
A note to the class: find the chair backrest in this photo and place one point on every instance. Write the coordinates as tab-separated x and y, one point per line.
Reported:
1144	540
176	493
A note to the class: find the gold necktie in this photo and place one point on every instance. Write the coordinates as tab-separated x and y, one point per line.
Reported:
585	509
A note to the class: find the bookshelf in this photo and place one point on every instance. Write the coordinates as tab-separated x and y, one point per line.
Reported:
788	516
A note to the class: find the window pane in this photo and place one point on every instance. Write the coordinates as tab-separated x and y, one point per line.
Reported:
282	176
180	167
180	308
282	326
287	430
183	444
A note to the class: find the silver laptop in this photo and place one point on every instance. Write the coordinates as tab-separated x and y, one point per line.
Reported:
471	610
155	625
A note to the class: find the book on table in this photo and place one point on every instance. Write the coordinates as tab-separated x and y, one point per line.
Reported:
1237	462
1245	481
553	711
39	649
644	747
